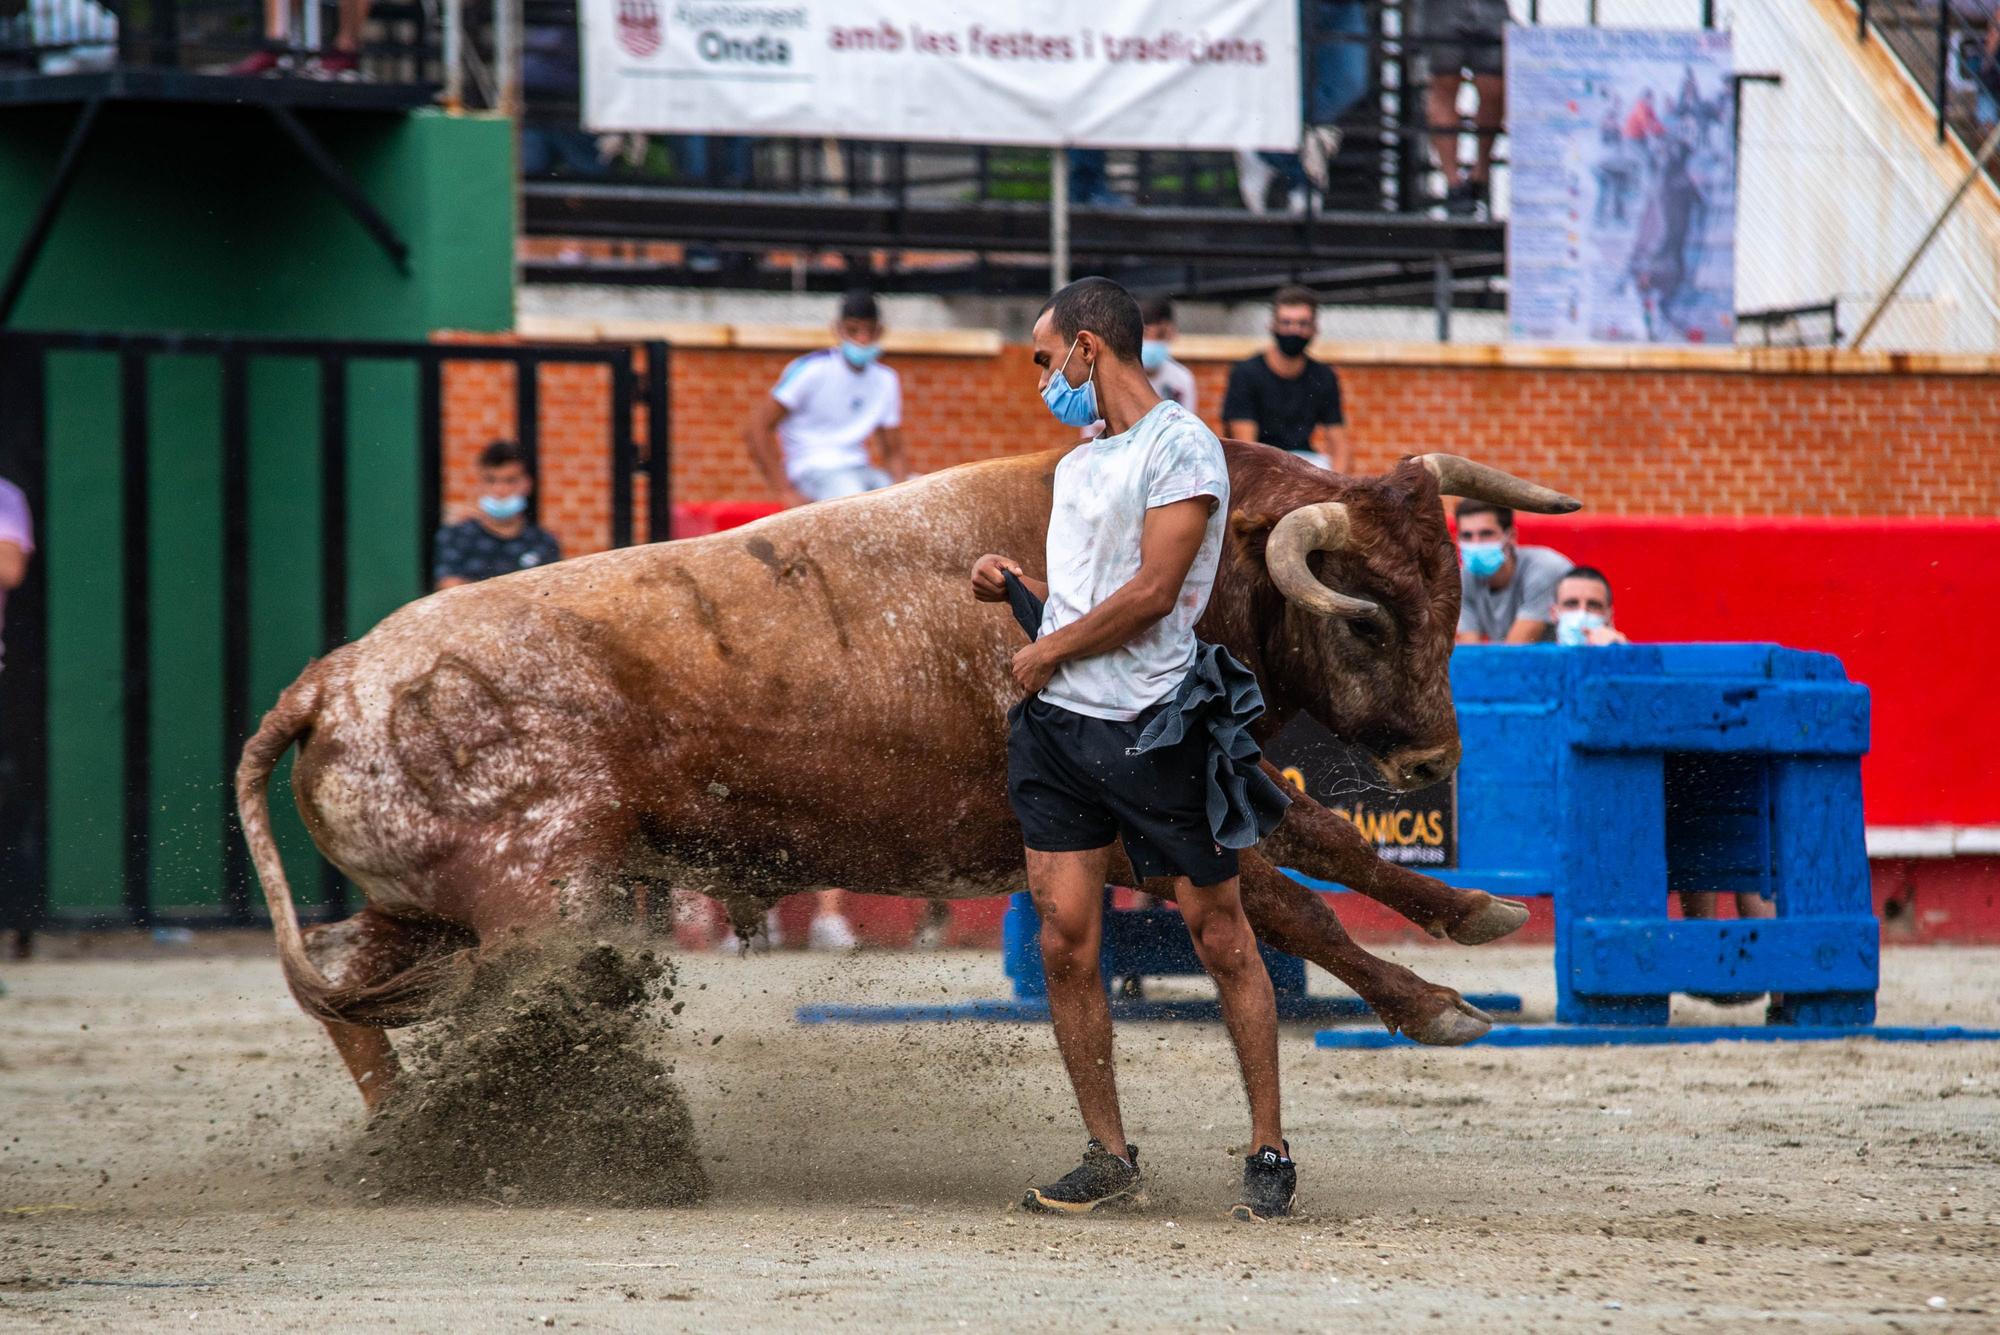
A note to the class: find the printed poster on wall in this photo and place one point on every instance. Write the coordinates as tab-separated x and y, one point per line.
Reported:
1623	149
1415	829
1113	73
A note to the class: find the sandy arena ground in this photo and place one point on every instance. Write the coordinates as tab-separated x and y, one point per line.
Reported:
174	1137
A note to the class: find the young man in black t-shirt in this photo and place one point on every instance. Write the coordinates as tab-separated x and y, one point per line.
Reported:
497	540
1284	398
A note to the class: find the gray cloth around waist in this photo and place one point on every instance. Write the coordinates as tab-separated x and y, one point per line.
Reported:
1221	696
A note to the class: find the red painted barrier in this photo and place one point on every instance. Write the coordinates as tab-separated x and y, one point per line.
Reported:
1906	604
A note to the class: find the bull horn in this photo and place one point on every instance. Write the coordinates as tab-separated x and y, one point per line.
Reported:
1312	528
1480	482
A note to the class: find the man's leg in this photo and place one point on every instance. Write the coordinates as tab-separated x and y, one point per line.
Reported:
1490	117
1441	114
1228	950
1069	895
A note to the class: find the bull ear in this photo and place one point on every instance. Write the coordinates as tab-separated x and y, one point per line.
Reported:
1251	531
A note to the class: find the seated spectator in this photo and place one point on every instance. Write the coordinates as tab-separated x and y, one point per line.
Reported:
498	539
1281	396
810	436
1170	380
1507	592
1583	609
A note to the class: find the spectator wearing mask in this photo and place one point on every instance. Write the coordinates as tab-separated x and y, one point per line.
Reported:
497	539
1169	379
1283	397
1507	592
1583	609
810	438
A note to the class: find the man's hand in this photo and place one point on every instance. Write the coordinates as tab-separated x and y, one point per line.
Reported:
1605	635
1033	666
987	584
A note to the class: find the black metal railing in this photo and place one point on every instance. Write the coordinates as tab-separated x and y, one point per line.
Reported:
1941	43
32	396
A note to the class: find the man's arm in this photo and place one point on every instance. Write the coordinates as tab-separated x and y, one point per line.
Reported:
1538	602
889	443
13	565
1332	441
1526	630
1168	543
989	587
760	433
1470	637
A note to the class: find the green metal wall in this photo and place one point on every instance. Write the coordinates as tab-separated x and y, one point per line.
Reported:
203	220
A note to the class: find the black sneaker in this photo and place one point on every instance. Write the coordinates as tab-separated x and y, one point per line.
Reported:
1102	1179
1270	1185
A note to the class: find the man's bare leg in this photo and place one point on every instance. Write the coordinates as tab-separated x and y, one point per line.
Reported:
1068	889
1228	950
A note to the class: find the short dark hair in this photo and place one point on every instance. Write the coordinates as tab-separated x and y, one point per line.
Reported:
1500	513
1590	572
503	452
1156	310
1105	309
859	304
1291	294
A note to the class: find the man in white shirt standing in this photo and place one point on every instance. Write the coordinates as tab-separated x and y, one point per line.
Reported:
1169	379
810	438
1135	534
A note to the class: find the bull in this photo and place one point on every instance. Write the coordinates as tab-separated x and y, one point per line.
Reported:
814	700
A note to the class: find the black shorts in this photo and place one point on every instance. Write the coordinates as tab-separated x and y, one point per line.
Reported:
1075	785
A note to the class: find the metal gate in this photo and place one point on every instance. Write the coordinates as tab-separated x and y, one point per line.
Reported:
172	500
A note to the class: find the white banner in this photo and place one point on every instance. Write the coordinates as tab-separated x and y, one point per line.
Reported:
1105	74
1623	195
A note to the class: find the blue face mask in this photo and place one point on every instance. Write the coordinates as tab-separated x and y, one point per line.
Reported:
1073	405
1483	559
1573	625
1152	354
860	355
503	507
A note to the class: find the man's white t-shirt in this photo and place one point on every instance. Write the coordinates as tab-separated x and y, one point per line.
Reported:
1103	489
832	411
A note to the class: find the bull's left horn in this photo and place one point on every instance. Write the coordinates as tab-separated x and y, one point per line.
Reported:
1480	482
1312	528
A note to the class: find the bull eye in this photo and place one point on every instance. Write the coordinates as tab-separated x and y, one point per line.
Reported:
1369	630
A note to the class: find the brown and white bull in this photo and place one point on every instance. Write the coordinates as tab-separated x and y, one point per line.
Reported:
816	699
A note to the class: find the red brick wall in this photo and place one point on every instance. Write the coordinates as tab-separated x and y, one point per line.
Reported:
1638	441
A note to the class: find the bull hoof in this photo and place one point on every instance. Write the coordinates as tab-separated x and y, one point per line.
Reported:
1493	919
1457	1024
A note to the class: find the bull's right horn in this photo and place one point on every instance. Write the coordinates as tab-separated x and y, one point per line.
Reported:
1458	476
1322	527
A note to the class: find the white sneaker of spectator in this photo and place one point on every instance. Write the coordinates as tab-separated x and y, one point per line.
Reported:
770	934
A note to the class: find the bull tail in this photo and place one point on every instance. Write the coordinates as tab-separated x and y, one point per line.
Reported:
431	963
290	719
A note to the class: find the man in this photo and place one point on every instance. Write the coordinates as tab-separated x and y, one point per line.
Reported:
1135	533
810	437
1284	398
497	539
1506	591
1456	37
17	544
20	846
1169	379
1583	609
